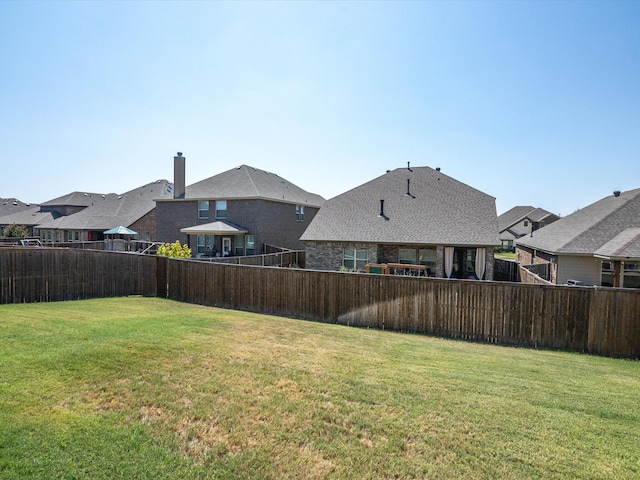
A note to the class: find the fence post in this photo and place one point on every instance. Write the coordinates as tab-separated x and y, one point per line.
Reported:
161	276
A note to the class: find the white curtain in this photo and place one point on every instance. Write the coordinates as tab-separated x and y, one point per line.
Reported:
448	261
480	262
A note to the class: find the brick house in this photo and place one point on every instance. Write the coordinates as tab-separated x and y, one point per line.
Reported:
408	216
242	211
596	245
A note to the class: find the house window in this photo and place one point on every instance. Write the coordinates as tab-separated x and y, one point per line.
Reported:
355	259
221	209
239	245
526	223
299	213
427	257
250	244
203	209
201	247
470	263
407	255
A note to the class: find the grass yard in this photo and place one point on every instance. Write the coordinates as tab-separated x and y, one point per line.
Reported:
142	388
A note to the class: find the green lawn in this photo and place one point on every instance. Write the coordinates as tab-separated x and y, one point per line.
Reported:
132	388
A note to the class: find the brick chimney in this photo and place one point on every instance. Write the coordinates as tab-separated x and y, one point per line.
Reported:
178	176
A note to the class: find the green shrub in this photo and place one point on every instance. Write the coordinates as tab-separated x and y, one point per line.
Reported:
174	250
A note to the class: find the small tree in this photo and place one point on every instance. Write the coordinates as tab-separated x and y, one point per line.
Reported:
174	250
15	231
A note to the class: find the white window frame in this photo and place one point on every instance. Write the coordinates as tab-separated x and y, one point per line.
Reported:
203	212
221	212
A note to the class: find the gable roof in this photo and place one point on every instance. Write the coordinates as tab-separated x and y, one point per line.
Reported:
438	210
104	211
588	229
245	182
517	214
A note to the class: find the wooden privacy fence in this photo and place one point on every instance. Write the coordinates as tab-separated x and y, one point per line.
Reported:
601	321
52	274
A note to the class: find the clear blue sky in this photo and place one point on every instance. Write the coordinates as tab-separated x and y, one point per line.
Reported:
534	103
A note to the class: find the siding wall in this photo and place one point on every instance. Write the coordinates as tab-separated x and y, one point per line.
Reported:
587	269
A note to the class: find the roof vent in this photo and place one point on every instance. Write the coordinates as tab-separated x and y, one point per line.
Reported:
616	193
437	169
408	189
381	214
408	166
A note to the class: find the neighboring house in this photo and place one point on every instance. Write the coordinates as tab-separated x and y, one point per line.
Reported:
521	221
242	211
596	245
15	212
412	216
83	216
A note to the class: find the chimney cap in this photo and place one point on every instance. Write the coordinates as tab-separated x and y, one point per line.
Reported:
179	154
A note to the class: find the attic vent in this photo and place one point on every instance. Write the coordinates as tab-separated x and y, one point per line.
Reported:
616	193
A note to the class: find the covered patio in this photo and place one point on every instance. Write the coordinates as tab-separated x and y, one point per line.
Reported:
217	239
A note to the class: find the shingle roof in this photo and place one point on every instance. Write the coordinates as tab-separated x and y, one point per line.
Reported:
439	210
513	216
9	206
30	217
588	229
107	211
517	214
248	182
622	246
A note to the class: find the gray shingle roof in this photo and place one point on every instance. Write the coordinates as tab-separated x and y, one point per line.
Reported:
248	182
588	229
517	214
9	206
622	246
513	216
29	217
107	211
439	211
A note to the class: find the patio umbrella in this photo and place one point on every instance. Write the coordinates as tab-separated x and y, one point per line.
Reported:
120	230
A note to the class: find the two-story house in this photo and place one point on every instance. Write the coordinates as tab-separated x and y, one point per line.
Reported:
242	211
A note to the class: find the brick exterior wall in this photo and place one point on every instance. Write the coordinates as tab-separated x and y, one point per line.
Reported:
146	224
329	255
271	222
528	256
